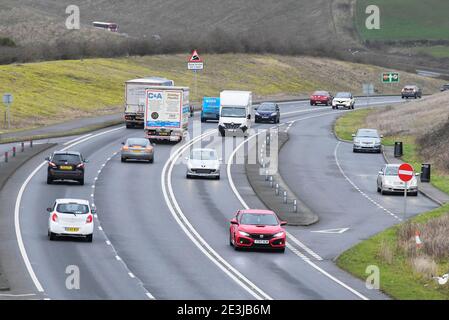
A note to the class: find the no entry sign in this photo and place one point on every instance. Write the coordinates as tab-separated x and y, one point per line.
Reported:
405	172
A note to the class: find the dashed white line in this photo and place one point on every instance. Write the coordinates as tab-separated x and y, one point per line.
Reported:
357	188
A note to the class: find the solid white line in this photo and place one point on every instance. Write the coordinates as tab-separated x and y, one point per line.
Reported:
20	242
357	188
76	139
191	232
17	295
131	275
150	296
244	204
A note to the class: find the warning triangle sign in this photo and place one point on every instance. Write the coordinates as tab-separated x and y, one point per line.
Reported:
195	57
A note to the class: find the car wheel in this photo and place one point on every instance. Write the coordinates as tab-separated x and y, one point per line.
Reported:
378	189
52	236
151	160
129	126
230	240
382	192
89	238
217	177
414	194
81	181
222	133
203	120
123	160
281	250
188	176
49	180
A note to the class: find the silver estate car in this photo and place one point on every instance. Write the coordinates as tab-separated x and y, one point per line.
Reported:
137	149
367	140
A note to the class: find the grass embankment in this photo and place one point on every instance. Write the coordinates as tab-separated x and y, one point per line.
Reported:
405	20
51	92
406	273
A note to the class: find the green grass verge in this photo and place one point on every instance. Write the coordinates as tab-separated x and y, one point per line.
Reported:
435	51
405	20
397	278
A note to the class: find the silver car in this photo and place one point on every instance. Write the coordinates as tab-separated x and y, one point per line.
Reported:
203	163
137	149
388	181
367	140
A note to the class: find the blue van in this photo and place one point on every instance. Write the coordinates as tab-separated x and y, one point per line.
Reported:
210	109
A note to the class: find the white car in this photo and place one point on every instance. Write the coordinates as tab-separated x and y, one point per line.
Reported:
388	181
343	99
72	218
203	163
367	140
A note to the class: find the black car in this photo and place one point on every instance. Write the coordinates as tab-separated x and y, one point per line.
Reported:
268	111
66	165
445	87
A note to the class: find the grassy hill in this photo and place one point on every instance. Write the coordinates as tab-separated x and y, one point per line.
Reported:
406	20
56	91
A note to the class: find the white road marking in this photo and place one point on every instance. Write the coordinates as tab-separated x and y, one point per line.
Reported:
118	258
131	275
191	232
17	295
100	228
20	242
337	230
76	139
358	189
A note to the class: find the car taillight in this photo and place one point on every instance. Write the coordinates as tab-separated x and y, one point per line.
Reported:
54	217
80	166
89	219
51	164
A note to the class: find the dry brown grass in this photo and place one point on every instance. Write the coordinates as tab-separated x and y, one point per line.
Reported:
386	252
416	118
424	266
434	235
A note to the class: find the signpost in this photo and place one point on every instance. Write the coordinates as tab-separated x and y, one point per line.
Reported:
195	63
405	173
7	100
368	90
390	77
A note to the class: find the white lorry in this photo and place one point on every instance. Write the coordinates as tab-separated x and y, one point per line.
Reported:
135	98
236	113
167	112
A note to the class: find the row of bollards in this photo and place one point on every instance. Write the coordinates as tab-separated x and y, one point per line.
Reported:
14	151
277	191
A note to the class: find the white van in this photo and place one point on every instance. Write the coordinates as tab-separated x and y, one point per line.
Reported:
236	113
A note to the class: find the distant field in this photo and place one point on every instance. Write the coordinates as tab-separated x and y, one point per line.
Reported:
406	20
56	91
436	51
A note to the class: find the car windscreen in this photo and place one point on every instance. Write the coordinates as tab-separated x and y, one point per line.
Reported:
320	93
343	95
391	171
72	208
267	107
203	155
367	134
233	112
69	158
258	219
137	142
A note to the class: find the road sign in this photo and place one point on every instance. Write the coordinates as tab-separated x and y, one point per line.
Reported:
195	62
368	89
390	77
7	98
405	172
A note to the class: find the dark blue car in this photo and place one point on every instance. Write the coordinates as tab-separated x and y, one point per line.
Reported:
268	112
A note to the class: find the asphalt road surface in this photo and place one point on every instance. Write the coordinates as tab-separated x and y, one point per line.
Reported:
161	236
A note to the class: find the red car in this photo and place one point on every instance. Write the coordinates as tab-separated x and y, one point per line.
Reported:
321	97
257	229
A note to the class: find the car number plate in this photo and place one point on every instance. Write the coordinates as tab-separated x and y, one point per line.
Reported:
72	229
65	167
137	151
261	241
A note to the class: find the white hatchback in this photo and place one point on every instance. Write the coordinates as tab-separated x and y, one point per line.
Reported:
203	163
72	218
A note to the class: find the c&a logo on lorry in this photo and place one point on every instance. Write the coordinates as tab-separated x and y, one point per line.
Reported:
154	96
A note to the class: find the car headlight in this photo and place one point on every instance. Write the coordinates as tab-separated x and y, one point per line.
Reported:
257	113
279	234
243	233
274	114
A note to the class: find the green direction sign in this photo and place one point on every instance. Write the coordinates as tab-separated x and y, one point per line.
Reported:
390	77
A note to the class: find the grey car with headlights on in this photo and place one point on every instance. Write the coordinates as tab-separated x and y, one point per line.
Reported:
367	140
203	163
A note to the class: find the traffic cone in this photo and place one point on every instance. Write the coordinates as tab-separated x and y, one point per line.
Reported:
418	239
